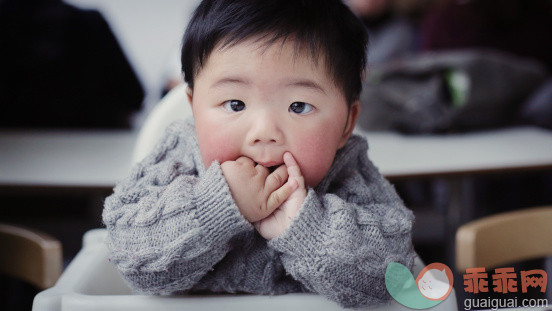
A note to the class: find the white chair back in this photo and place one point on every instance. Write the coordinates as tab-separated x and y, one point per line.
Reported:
172	107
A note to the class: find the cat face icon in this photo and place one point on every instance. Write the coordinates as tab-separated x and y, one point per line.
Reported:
435	281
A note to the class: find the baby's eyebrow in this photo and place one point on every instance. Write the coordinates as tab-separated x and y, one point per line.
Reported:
299	82
230	80
306	83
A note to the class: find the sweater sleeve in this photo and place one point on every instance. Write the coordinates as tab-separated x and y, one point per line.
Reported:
340	243
167	225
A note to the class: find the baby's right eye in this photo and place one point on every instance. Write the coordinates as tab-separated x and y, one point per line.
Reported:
234	105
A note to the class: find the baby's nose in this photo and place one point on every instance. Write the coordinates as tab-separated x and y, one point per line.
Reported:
265	130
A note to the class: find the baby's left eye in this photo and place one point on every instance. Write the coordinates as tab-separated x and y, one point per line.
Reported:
300	108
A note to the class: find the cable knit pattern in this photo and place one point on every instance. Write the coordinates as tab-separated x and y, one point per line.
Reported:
174	228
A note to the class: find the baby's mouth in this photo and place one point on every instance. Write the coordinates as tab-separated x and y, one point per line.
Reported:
271	168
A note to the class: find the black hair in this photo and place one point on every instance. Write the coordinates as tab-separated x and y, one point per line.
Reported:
325	27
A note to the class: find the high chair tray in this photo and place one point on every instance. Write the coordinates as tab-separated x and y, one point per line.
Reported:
91	282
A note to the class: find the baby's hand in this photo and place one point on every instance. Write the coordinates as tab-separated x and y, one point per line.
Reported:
275	224
257	192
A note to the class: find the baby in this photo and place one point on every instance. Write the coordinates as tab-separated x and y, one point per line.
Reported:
266	190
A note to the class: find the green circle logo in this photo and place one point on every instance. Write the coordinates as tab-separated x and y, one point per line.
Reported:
433	285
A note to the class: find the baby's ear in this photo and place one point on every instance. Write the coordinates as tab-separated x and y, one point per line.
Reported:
190	95
354	112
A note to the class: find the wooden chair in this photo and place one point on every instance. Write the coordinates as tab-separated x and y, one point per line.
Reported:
30	255
504	238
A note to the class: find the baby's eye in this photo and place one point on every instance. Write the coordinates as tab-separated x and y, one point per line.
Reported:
234	105
300	108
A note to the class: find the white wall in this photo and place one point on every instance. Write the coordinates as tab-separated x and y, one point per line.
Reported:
149	32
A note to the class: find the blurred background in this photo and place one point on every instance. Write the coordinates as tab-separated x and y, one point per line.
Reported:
435	68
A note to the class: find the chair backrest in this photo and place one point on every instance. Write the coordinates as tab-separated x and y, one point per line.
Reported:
504	238
30	255
173	106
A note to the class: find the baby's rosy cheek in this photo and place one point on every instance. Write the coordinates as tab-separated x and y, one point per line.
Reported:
314	161
218	147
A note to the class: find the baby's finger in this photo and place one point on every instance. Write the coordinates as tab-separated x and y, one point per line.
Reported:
257	225
276	179
279	196
245	161
292	166
262	171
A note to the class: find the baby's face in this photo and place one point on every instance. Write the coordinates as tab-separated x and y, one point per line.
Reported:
250	100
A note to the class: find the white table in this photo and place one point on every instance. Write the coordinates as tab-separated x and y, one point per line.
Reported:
83	159
401	156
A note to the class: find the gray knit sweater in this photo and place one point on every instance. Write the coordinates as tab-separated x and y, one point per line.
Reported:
174	228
